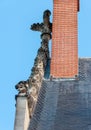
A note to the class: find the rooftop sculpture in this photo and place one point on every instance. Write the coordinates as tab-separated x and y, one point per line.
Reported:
31	87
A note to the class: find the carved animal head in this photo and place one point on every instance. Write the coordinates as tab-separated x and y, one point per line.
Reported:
22	86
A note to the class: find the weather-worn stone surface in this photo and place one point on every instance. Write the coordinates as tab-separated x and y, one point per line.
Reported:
65	104
31	87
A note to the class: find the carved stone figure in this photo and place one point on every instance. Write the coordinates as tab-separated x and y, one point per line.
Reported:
22	87
46	26
31	87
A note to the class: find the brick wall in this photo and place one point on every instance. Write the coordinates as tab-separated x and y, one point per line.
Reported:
64	61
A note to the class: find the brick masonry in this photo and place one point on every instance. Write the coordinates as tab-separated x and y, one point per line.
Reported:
64	62
65	105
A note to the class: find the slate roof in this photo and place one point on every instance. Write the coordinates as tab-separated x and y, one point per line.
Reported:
65	104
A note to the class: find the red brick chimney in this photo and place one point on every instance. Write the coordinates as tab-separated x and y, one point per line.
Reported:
64	60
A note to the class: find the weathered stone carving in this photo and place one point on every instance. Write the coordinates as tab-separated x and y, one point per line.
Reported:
22	87
31	87
46	26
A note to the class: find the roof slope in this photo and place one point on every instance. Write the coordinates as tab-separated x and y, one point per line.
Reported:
65	105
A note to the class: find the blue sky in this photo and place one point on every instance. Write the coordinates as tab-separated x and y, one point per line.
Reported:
18	46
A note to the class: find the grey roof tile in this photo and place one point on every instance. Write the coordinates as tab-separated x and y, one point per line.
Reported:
65	105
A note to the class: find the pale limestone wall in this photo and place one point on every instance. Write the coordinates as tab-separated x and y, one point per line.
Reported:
22	114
